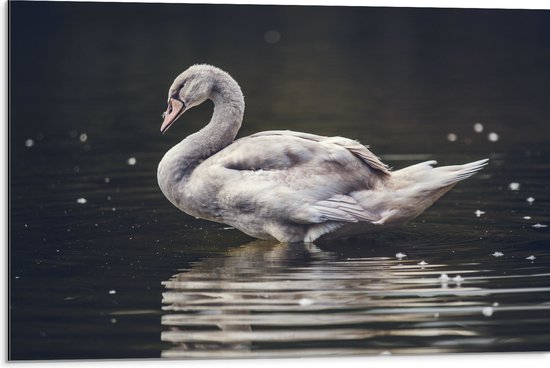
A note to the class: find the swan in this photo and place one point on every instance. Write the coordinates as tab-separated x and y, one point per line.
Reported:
282	184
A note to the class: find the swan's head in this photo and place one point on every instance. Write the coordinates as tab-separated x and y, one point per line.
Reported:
189	89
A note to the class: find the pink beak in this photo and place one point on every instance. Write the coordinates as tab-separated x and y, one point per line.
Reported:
175	109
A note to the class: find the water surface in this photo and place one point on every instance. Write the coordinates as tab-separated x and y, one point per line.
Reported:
102	265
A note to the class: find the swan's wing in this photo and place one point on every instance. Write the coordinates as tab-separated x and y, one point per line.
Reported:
351	145
313	174
339	208
329	215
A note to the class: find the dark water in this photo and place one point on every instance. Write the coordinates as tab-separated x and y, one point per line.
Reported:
126	275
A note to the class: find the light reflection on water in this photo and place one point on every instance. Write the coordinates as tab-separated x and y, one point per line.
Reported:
264	299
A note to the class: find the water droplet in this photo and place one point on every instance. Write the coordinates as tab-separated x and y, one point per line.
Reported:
458	279
478	127
492	137
422	263
400	255
530	200
451	137
479	213
107	180
527	217
497	254
73	133
83	137
76	169
496	304
112	292
487	311
132	161
514	186
113	320
444	277
29	143
306	301
272	36
531	258
81	201
539	226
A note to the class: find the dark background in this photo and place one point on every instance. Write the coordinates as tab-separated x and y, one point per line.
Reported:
397	79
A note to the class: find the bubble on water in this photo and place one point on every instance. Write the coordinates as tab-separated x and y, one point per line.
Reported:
29	143
422	263
76	169
497	254
539	226
452	137
107	180
527	217
531	258
113	320
514	186
478	127
487	311
131	161
496	304
492	137
400	255
73	133
530	200
444	277
272	36
478	213
83	137
306	301
81	200
458	279
112	292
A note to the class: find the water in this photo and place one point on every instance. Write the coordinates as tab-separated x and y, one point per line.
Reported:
102	266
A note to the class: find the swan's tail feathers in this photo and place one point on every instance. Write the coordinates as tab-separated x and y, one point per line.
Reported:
450	175
417	187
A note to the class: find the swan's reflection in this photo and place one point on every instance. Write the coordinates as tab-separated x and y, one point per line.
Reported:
265	299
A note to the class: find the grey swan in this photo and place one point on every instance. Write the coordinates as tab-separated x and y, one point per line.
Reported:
291	186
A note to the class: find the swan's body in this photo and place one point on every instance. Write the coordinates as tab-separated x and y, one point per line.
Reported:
286	185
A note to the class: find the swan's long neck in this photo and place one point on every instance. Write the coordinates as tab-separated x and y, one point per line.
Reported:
180	161
226	119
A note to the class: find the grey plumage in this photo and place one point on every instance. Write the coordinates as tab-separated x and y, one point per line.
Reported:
282	184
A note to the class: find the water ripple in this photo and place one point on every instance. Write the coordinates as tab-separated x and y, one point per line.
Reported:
299	300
